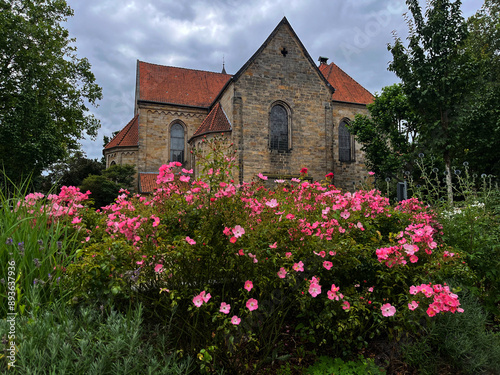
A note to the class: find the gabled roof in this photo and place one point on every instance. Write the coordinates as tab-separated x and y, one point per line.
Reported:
127	137
283	22
215	122
167	84
147	182
346	88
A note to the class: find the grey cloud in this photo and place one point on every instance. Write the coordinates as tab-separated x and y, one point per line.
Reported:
353	34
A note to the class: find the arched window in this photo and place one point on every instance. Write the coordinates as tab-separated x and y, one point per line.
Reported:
345	143
112	163
278	128
177	143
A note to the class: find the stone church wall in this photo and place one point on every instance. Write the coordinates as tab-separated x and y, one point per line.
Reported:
154	133
291	80
122	156
348	175
226	102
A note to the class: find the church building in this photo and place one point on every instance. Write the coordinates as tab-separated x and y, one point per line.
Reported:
282	111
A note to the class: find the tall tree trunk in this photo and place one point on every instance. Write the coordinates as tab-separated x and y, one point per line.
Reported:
446	156
449	186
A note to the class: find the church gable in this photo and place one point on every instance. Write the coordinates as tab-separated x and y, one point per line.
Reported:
282	53
280	120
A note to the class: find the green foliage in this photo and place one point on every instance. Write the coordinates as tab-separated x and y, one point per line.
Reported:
59	339
435	74
38	249
106	187
103	190
328	366
389	135
474	228
44	87
479	130
457	340
122	175
71	172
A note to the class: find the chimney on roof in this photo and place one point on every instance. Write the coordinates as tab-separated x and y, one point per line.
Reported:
323	60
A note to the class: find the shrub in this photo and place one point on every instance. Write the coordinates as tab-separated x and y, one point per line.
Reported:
459	340
90	340
103	190
233	264
327	366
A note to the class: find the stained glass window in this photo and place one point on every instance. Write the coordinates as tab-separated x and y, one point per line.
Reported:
279	128
177	143
345	152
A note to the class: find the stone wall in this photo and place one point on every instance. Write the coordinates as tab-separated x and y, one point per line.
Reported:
283	74
348	175
154	133
122	156
226	102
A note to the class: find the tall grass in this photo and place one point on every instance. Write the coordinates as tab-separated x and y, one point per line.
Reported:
38	247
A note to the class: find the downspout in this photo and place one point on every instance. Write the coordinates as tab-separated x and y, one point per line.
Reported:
327	106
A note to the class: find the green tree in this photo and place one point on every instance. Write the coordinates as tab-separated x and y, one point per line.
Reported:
479	132
70	172
103	191
44	87
389	134
105	187
435	74
123	175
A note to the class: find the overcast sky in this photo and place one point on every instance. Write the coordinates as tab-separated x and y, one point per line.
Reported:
196	34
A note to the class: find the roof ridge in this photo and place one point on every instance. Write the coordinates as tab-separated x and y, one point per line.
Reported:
182	68
212	120
209	124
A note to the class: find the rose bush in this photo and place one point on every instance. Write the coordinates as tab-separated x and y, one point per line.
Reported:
229	266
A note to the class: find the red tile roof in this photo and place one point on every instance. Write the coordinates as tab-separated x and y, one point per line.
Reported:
147	182
216	121
346	88
167	84
127	137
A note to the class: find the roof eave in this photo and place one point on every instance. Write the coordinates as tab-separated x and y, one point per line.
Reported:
346	102
142	101
117	147
209	132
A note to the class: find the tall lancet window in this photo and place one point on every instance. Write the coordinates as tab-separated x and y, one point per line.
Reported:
345	143
177	143
278	128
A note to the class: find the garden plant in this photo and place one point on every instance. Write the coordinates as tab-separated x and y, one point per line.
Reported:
241	277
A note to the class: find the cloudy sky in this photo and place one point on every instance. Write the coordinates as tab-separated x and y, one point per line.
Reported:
196	34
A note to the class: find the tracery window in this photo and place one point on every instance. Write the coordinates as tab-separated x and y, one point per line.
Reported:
278	128
345	143
177	143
